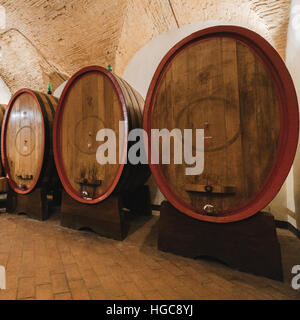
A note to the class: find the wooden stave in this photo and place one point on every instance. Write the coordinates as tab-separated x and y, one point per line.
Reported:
48	176
133	116
283	80
141	172
3	108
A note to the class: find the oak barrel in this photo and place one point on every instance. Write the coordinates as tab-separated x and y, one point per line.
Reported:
26	141
96	99
232	83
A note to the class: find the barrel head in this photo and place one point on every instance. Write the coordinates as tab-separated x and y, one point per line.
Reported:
91	102
24	142
227	81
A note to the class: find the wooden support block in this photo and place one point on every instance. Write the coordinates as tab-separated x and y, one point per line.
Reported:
35	204
250	245
104	218
138	201
54	197
4	187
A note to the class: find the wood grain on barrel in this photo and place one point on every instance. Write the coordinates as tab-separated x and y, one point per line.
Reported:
221	85
91	105
24	140
27	140
96	99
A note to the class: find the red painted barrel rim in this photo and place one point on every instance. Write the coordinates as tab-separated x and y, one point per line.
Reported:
11	181
57	135
289	123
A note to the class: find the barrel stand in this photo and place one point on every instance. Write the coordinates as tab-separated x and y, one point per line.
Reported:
108	217
37	205
250	245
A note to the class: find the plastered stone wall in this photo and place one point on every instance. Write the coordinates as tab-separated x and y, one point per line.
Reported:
5	93
51	40
286	206
22	66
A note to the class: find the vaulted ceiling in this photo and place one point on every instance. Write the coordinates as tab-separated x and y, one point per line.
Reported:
49	40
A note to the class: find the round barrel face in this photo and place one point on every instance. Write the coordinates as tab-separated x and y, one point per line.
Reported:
223	86
89	104
24	142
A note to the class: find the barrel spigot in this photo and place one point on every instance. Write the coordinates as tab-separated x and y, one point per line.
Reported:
85	195
22	187
209	209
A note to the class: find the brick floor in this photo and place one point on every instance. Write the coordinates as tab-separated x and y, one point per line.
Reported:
45	261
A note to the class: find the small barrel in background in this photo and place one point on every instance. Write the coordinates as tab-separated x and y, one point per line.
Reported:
27	153
26	145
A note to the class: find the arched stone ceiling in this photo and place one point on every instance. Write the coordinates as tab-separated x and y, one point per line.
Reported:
64	36
144	22
50	40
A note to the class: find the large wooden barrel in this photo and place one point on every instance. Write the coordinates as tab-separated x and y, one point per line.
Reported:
26	141
96	99
232	83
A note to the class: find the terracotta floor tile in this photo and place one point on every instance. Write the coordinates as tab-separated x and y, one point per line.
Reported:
59	283
79	290
26	288
8	294
44	292
45	261
72	272
42	275
63	296
111	287
97	293
90	278
132	291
